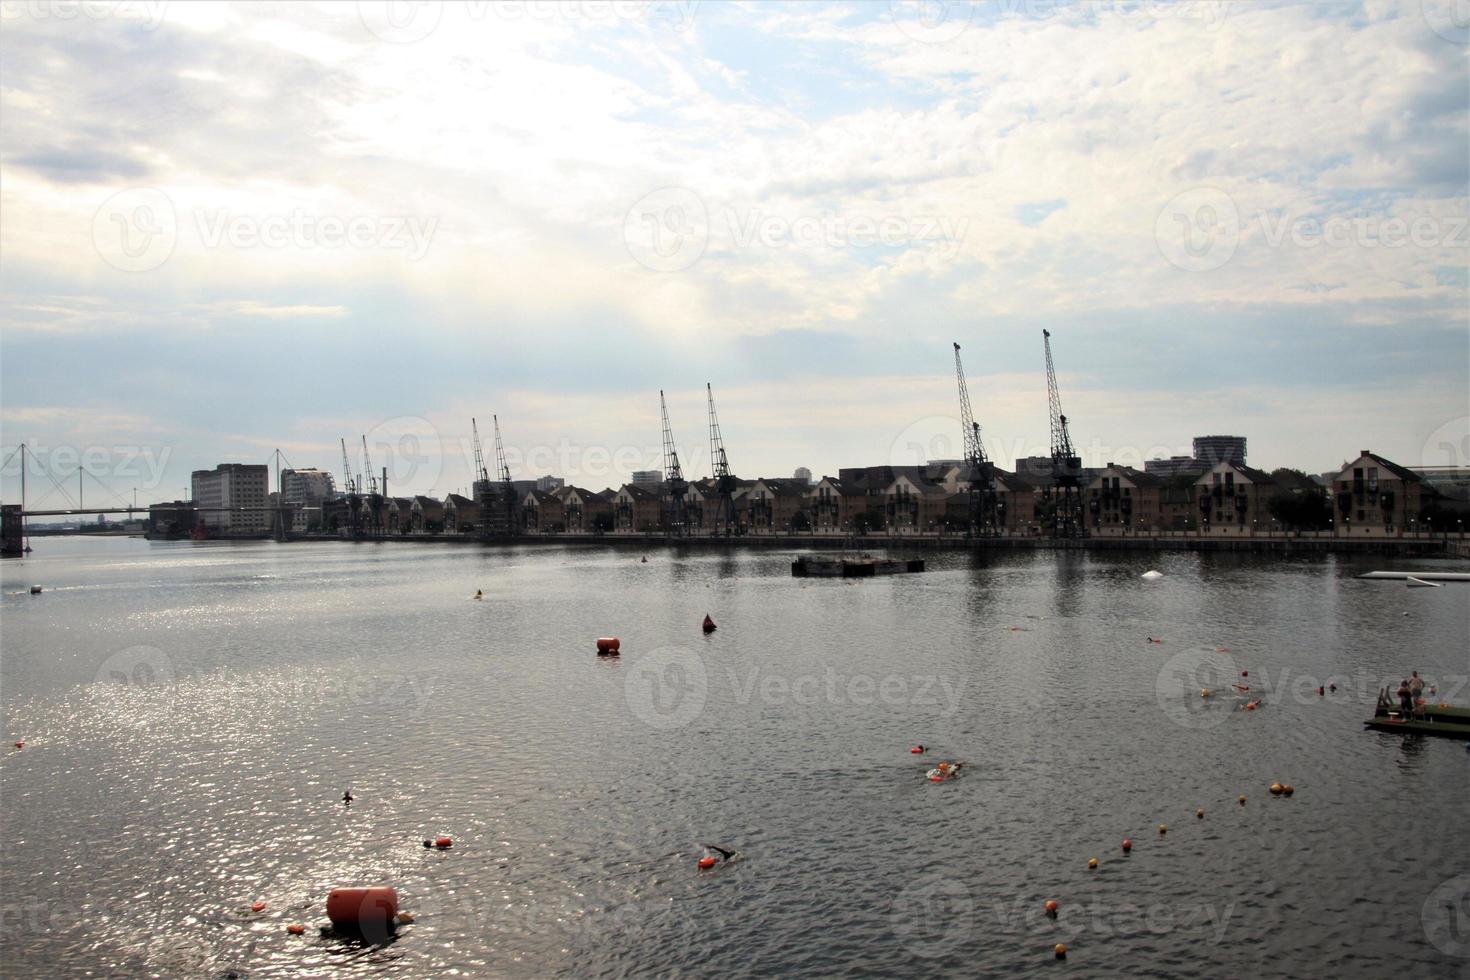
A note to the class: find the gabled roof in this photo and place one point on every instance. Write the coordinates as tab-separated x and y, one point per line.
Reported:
456	501
785	487
845	488
1402	472
1138	478
637	493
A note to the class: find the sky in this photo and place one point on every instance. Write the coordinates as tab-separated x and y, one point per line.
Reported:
227	230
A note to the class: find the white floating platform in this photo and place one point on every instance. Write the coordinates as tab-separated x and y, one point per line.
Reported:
1421	576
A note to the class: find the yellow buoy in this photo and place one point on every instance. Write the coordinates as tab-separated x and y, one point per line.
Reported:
1091	864
1241	799
1163	828
1200	814
1061	950
1276	789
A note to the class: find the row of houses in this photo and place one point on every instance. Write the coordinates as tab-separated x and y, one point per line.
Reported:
1370	493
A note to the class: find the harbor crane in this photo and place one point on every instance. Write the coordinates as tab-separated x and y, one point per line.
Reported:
375	509
674	483
354	499
979	473
1064	496
720	468
500	521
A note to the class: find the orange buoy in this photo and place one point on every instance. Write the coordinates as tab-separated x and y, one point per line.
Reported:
296	928
257	907
709	624
607	646
1200	814
1204	692
362	909
1051	908
1092	864
1127	844
1240	799
1163	829
1276	789
1287	789
706	862
1060	949
917	749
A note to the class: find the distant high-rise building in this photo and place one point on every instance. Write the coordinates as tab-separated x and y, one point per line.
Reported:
231	498
648	479
547	484
1220	449
306	488
1174	465
803	474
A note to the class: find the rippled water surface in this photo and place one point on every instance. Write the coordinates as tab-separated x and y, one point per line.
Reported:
192	712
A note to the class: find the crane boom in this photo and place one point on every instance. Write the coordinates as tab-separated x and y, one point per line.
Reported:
348	485
724	482
1061	441
974	448
502	470
1064	497
674	483
367	462
672	471
479	454
984	510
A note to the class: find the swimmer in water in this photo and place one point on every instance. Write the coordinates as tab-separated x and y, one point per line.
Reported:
479	594
725	855
945	770
347	796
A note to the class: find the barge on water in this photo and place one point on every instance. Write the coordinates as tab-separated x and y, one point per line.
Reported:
1438	719
864	566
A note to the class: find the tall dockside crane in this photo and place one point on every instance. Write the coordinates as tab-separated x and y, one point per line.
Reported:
480	488
983	510
354	501
675	486
375	508
1065	503
720	468
502	521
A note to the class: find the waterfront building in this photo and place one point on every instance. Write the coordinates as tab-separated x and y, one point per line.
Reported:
582	508
834	504
1233	494
637	508
461	514
913	503
543	511
398	513
1220	449
306	487
1378	496
773	505
231	498
427	514
1121	498
173	519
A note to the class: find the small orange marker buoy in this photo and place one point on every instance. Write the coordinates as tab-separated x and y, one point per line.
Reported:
917	749
443	842
1051	908
1127	844
1200	814
1163	829
257	907
1240	799
608	646
296	928
706	862
1276	789
1204	692
1060	949
1288	789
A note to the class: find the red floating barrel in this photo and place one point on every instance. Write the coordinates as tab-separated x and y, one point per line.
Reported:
443	842
607	645
363	909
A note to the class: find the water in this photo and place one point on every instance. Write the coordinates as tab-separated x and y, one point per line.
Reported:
192	713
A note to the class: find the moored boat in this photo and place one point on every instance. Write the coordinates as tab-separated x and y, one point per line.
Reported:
865	566
1399	725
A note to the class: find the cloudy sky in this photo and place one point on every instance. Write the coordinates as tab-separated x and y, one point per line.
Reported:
230	229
